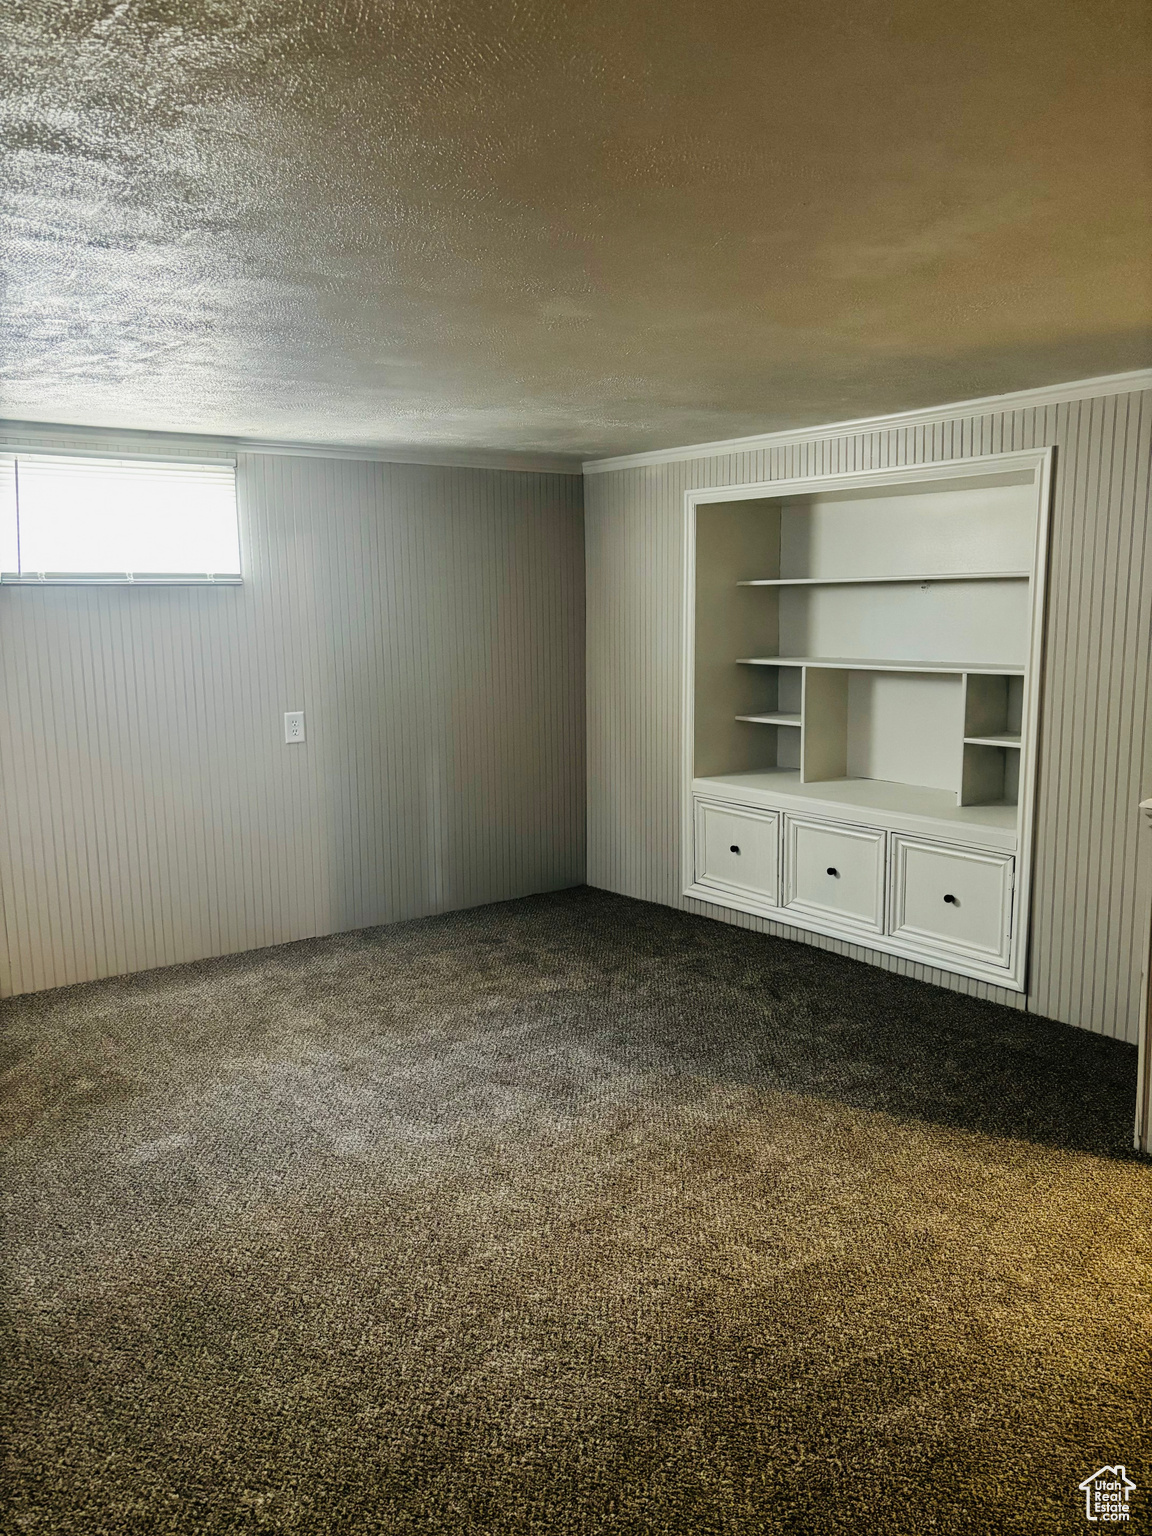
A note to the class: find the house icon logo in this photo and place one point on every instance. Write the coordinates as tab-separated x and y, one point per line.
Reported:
1106	1494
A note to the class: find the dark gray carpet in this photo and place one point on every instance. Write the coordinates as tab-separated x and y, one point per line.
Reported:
567	1215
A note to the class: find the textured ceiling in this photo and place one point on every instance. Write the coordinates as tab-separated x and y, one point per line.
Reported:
584	227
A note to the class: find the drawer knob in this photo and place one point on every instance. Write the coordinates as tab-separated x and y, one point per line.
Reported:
951	900
834	872
733	849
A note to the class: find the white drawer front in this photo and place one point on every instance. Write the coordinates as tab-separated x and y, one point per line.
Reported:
835	872
957	900
739	850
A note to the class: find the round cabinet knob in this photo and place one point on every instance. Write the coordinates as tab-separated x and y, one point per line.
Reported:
951	900
834	872
733	849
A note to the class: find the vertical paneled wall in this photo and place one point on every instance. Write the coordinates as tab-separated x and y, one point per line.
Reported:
430	621
1092	874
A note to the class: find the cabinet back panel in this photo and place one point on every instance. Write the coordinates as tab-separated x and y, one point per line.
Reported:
905	728
946	621
991	528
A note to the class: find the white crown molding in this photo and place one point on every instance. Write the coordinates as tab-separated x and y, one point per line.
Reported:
1048	394
60	435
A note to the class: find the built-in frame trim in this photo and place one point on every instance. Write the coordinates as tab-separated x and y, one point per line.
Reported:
1021	399
1037	460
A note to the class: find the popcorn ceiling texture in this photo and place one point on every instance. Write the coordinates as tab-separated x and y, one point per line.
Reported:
572	228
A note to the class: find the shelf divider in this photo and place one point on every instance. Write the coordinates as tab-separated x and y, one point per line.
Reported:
872	581
881	664
824	739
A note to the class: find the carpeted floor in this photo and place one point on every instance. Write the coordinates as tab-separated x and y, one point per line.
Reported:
568	1215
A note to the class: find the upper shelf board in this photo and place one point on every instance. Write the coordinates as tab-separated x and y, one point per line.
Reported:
992	741
873	581
779	719
878	664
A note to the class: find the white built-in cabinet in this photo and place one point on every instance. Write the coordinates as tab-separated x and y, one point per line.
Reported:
861	672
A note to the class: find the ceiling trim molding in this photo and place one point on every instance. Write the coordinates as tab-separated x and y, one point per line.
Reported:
61	436
1048	394
71	437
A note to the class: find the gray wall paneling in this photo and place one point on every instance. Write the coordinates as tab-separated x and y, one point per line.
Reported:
1093	879
430	621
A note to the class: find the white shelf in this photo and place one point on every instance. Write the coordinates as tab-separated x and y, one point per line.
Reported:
992	741
771	719
872	581
882	664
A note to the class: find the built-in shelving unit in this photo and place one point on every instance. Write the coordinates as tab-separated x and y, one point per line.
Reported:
816	616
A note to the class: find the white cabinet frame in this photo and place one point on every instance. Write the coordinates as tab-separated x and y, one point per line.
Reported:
1039	463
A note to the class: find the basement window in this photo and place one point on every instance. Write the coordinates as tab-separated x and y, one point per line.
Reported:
71	520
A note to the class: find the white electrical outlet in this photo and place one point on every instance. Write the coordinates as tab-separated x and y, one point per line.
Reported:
294	725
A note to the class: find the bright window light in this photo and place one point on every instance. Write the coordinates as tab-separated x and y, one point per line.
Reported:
68	519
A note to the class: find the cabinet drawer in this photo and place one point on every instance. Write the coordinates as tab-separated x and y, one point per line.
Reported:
739	850
835	873
957	900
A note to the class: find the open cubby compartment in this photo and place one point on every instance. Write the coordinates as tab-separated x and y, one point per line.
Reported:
982	623
915	572
950	528
900	727
734	621
993	708
778	718
993	715
990	776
